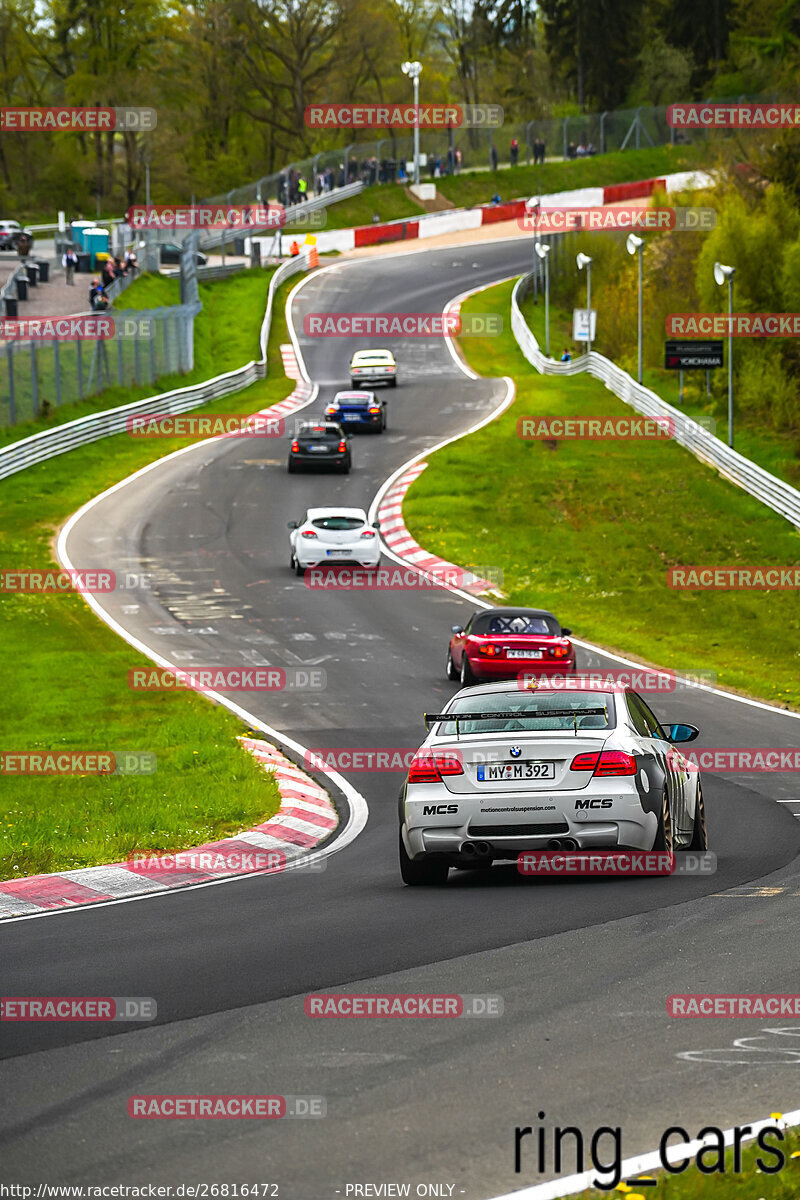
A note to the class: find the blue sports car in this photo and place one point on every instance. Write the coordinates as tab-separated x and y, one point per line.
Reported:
358	410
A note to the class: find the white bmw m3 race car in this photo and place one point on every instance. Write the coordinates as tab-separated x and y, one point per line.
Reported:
506	769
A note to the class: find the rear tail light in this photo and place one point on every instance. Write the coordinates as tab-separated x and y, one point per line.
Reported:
391	368
375	410
330	410
559	651
309	533
490	650
368	533
295	446
342	446
429	768
605	763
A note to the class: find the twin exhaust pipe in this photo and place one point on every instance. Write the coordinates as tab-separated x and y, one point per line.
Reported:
483	849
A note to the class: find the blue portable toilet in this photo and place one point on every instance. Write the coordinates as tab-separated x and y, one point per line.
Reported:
95	241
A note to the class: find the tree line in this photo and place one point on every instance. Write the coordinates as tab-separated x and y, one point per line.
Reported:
230	79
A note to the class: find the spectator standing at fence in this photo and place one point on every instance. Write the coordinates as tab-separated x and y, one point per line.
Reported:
493	156
458	162
566	356
302	189
514	151
69	262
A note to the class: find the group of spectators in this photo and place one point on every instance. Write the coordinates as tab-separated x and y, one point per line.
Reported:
583	149
113	268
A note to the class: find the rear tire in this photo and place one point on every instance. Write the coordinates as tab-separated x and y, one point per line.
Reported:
425	872
467	674
346	467
700	830
450	668
664	836
392	383
291	467
298	570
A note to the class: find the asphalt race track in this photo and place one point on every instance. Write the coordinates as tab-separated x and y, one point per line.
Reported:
584	967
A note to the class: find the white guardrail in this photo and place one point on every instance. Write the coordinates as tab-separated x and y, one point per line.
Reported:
52	442
781	497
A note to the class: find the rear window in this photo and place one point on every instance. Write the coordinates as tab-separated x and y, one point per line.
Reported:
337	522
516	623
320	431
572	709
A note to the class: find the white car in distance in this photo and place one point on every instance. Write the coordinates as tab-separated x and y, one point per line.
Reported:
331	535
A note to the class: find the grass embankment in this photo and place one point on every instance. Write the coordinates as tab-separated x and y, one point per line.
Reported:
65	673
589	530
222	343
776	453
390	202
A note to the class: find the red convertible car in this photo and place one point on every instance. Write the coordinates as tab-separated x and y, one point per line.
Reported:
500	643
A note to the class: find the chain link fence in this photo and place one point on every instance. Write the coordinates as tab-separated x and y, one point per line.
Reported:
38	376
389	158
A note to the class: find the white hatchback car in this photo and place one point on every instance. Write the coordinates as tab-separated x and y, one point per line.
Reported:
330	535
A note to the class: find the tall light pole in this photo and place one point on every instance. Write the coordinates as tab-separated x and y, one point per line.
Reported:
414	70
583	260
723	275
543	249
632	245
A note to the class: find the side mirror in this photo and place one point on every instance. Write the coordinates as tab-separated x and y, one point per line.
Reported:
292	524
679	733
376	524
565	632
457	628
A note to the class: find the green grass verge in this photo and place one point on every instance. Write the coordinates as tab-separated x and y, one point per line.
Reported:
749	1182
775	452
478	187
589	530
388	200
64	673
226	337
